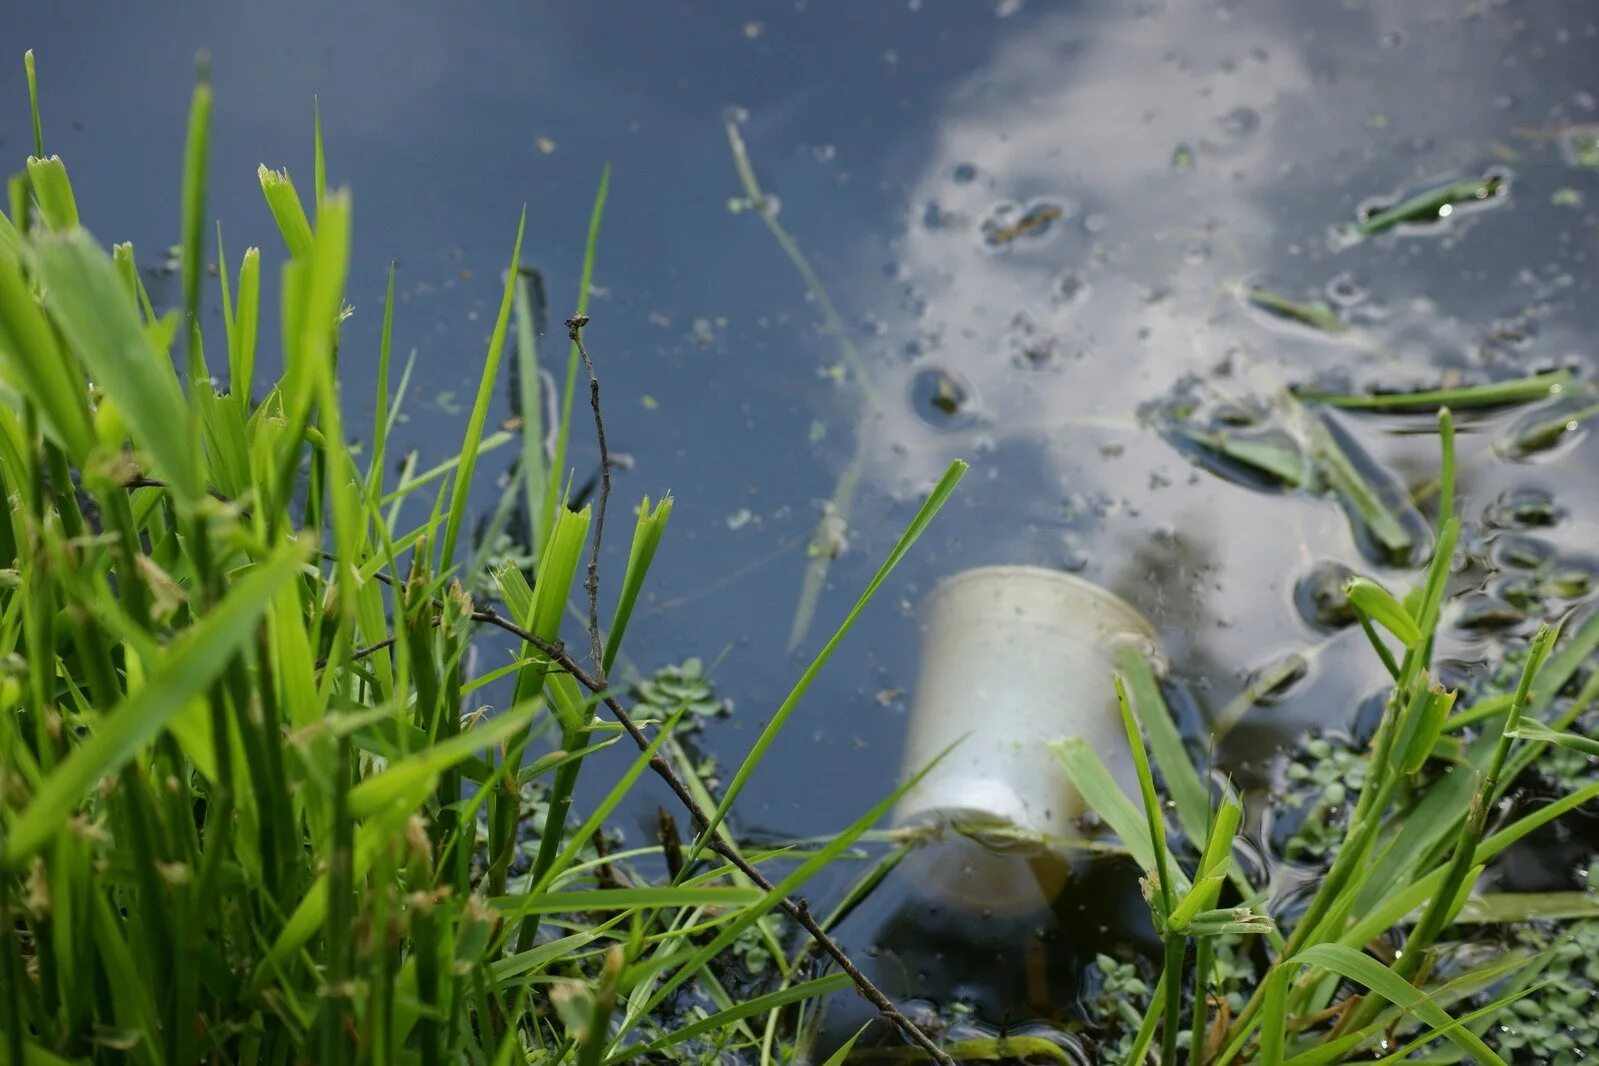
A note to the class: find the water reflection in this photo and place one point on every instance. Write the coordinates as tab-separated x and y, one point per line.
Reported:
1036	227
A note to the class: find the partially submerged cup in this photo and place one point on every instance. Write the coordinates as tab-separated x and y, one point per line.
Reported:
1013	657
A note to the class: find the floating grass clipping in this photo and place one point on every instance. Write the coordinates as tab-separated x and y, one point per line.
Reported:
1495	394
1316	315
1547	427
1278	461
244	773
1364	499
1436	204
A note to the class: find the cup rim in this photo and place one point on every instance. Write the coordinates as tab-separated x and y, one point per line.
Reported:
1069	584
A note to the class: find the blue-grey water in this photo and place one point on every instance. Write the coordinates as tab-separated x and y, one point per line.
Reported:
1052	207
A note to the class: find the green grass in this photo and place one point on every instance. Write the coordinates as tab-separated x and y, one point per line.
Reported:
1365	964
248	812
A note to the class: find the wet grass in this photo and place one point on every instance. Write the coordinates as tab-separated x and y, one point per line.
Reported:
251	806
1368	963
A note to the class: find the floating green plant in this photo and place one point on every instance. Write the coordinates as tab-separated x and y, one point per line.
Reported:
1494	394
1436	204
1315	314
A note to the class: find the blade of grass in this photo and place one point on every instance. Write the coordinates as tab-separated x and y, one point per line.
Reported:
89	304
480	408
195	161
33	102
1364	970
1183	781
1493	394
191	666
647	534
935	501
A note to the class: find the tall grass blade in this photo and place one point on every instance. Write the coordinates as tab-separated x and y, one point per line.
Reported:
647	534
1364	970
480	409
33	102
31	363
53	191
189	668
930	508
1183	781
196	157
90	306
284	203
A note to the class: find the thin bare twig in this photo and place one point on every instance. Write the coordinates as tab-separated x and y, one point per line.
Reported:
574	329
362	653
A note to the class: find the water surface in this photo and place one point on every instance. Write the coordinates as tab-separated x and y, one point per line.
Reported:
1036	220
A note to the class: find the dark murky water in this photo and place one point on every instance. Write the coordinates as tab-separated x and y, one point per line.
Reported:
1040	223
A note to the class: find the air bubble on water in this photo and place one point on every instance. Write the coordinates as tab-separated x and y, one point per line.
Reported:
935	217
965	173
1073	557
1069	288
1345	290
1240	121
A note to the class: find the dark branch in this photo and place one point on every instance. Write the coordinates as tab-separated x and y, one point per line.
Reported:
362	653
574	329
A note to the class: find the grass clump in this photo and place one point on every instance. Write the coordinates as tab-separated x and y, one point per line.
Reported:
1379	952
251	806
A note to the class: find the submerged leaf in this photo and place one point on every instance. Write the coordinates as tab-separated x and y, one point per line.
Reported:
1316	315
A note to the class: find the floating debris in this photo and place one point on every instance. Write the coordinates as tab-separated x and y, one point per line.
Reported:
1266	686
1580	145
1314	314
1524	508
1516	552
1376	504
1551	425
1272	458
940	398
1569	584
1484	613
831	536
1436	204
1034	222
1493	394
1320	599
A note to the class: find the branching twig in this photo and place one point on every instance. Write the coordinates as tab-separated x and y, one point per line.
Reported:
574	329
362	653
